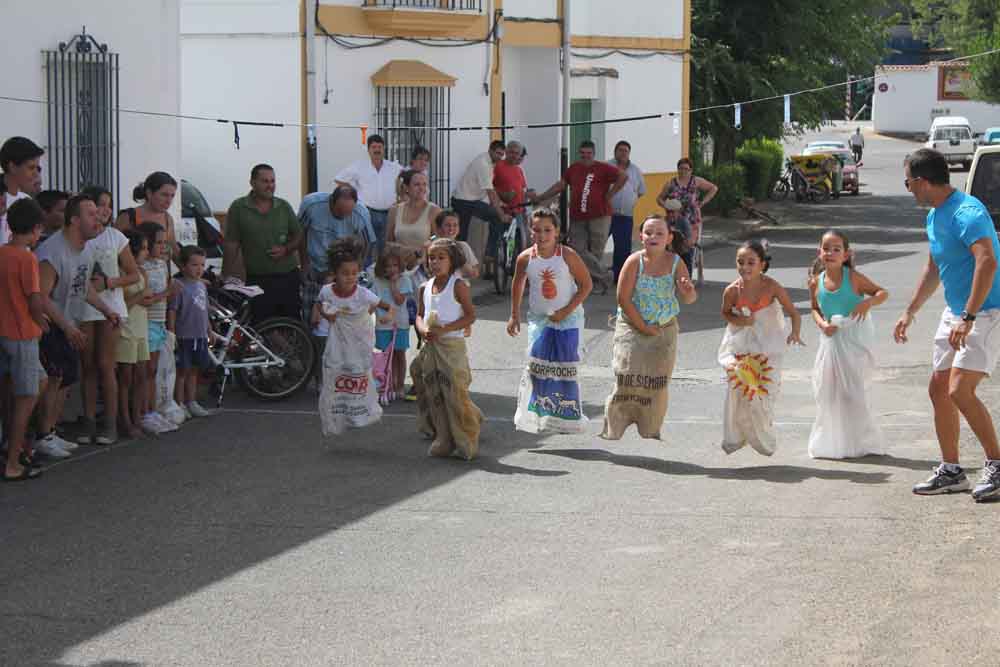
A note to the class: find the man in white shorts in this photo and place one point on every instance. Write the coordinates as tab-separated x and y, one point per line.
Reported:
963	257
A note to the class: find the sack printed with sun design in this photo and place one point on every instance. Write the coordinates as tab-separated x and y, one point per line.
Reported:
751	358
549	392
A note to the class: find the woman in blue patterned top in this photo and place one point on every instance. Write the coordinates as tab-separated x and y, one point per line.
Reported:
645	341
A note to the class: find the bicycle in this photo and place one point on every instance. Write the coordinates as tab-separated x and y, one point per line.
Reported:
783	186
511	243
271	359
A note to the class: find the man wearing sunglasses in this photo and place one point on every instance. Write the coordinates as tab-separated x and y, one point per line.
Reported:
963	257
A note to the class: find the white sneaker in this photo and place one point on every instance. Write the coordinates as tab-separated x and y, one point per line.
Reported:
48	447
164	423
150	424
177	417
68	445
197	411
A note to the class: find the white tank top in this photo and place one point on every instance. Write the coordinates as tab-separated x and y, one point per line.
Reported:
444	304
551	285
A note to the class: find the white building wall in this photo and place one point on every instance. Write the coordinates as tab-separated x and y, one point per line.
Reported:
628	18
643	87
149	76
351	100
911	103
531	80
536	9
241	59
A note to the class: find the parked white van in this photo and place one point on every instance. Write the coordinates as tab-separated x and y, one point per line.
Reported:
952	137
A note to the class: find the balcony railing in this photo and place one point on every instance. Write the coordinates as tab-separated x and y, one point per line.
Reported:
446	5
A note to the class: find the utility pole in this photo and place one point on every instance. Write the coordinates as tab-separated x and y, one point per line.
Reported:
564	150
311	175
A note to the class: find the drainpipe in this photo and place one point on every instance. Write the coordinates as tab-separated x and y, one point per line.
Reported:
312	175
564	151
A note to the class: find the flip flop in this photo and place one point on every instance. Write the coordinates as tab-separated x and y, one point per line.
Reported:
27	473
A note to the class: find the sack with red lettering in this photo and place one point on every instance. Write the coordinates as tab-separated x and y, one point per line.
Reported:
349	398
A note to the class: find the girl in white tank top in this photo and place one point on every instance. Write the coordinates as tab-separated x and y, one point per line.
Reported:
558	282
441	373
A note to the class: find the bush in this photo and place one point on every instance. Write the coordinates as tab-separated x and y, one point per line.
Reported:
731	179
762	159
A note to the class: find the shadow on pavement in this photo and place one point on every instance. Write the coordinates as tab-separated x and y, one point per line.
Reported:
105	539
783	474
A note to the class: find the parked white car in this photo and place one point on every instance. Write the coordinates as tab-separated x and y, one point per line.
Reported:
196	212
952	137
984	180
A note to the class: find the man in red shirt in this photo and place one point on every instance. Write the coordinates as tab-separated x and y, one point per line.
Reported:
509	180
592	184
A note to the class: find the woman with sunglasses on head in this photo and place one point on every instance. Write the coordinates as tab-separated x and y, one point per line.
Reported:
692	192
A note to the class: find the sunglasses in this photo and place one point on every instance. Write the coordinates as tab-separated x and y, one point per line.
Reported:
907	181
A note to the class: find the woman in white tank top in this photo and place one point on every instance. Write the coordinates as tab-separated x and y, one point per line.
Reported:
441	373
548	398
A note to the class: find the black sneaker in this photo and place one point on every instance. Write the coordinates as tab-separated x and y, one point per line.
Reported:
942	481
989	484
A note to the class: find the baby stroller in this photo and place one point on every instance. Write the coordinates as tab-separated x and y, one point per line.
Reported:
382	371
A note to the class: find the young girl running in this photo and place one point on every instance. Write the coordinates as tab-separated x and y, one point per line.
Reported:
645	341
394	287
187	317
548	398
441	373
841	298
158	282
133	347
754	306
348	398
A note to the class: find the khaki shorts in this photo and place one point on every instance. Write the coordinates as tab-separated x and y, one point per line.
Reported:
982	346
132	350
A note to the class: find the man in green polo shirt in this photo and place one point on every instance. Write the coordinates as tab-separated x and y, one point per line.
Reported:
266	231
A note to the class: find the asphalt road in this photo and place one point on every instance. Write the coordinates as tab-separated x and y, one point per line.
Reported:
243	540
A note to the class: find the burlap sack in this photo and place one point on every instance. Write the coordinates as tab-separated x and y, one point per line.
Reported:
445	411
643	366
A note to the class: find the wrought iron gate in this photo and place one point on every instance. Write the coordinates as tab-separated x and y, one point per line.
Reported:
420	109
81	85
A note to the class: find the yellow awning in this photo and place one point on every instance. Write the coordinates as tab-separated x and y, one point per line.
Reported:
411	73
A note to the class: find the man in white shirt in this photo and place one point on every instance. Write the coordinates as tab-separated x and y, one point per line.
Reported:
375	181
857	144
476	196
22	173
623	204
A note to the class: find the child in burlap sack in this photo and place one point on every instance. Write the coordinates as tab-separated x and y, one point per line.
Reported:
645	340
441	374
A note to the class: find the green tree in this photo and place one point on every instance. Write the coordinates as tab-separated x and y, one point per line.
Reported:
966	27
750	49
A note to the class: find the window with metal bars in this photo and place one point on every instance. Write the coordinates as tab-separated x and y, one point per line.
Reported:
465	5
81	85
415	111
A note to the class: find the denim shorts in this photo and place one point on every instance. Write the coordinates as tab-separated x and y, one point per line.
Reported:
157	336
19	358
384	336
193	353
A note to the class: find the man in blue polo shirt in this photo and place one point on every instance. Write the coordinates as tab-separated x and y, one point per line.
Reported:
963	258
325	218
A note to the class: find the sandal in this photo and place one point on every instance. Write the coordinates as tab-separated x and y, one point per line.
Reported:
27	473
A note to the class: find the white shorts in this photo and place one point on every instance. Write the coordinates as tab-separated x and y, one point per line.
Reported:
982	346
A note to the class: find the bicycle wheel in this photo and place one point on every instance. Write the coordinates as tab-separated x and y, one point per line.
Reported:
289	340
780	190
699	265
500	272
